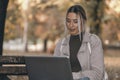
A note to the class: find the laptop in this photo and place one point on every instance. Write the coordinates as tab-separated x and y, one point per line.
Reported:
48	68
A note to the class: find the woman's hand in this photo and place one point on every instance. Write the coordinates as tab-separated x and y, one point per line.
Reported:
85	78
76	75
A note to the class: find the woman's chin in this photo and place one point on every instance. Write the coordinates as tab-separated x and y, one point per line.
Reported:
73	33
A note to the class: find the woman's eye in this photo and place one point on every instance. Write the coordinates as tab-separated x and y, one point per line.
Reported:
67	20
75	21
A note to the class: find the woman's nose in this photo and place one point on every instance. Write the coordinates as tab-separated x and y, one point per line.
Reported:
71	24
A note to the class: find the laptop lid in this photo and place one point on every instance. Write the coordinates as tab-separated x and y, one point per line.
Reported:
48	68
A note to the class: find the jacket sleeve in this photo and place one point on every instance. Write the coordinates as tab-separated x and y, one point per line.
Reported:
57	49
96	60
96	71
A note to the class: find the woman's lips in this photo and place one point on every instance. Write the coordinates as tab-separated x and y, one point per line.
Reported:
71	29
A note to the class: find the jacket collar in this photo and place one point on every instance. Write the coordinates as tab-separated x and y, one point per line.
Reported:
86	37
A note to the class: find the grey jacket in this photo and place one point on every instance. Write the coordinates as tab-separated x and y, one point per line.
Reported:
92	63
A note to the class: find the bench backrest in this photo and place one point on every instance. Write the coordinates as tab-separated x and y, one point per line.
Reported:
12	65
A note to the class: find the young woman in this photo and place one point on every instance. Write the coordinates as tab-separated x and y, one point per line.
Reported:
83	49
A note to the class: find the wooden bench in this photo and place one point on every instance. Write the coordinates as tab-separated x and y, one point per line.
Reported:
12	65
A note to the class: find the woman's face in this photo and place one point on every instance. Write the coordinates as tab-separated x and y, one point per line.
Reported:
72	23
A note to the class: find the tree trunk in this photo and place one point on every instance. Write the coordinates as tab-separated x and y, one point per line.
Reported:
45	44
3	10
98	14
25	17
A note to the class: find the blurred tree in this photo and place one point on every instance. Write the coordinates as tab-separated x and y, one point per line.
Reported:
111	21
48	14
13	27
16	22
95	13
46	18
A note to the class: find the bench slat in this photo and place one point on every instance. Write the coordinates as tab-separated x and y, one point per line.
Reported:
12	60
21	70
12	65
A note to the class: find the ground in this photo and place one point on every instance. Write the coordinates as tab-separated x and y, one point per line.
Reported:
112	64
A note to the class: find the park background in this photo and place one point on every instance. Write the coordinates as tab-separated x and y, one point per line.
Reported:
33	27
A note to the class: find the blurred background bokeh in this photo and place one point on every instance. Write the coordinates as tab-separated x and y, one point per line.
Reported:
33	27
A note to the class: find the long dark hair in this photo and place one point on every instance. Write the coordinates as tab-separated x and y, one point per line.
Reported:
78	10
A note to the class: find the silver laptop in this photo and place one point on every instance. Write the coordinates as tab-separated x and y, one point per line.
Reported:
48	68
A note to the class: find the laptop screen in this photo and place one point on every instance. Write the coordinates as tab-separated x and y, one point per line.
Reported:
48	68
